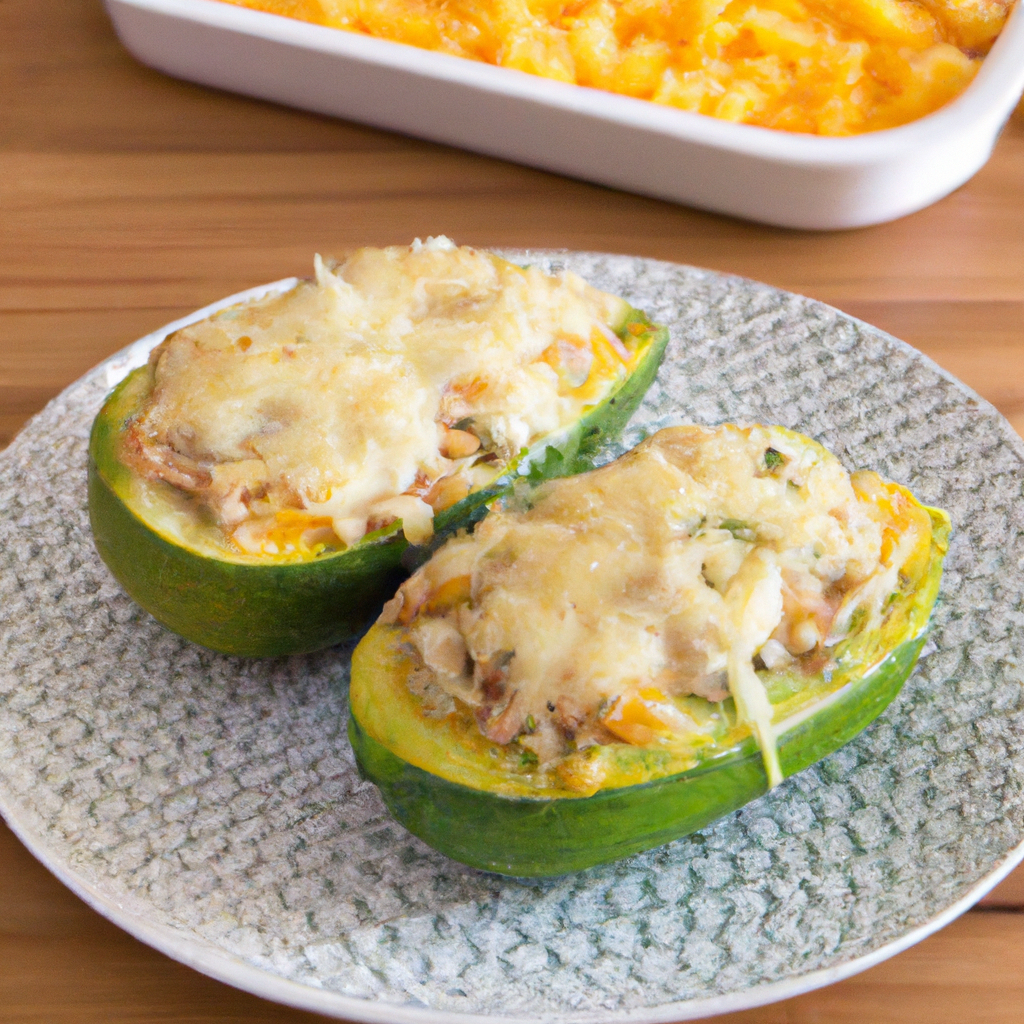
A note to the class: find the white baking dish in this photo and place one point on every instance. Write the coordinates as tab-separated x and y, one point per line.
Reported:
797	181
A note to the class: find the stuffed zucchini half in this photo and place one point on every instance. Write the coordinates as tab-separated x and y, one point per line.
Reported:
255	485
613	660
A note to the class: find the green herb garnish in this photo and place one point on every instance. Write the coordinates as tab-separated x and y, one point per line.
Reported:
739	529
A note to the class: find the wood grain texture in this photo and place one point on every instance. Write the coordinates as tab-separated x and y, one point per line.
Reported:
128	199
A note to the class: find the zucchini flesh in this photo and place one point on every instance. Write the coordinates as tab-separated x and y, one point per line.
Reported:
263	610
528	837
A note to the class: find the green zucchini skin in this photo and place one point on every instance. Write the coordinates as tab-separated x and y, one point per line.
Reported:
234	608
271	610
530	838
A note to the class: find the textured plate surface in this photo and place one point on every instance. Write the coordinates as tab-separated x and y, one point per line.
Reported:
210	805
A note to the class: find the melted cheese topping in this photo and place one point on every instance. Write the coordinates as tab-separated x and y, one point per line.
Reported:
684	568
819	66
386	389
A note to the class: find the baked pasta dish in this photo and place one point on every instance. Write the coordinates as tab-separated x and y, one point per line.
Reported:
827	67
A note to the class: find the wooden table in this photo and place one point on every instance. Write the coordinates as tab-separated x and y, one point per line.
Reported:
127	199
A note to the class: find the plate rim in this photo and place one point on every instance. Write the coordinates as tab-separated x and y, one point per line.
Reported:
227	969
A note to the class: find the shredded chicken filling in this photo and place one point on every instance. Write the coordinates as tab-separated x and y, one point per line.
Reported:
688	566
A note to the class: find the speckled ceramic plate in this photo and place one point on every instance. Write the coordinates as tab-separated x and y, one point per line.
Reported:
210	805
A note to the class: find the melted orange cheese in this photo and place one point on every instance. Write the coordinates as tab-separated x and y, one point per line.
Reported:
830	67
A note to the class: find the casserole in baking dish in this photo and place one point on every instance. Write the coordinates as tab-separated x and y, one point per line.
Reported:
776	177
